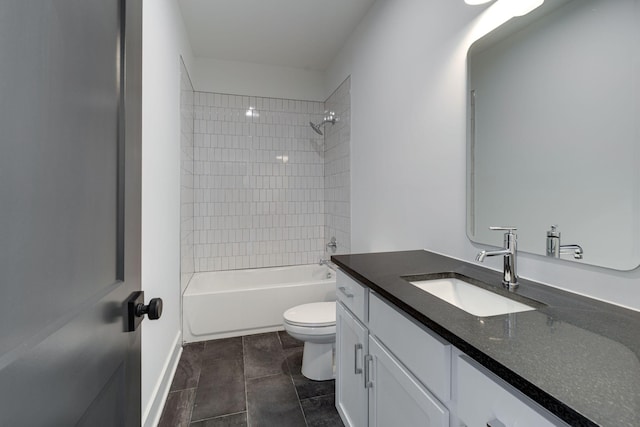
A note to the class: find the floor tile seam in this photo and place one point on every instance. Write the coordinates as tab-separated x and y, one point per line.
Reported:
315	397
293	383
266	376
193	404
182	389
199	362
198	376
220	416
289	365
280	340
283	356
244	377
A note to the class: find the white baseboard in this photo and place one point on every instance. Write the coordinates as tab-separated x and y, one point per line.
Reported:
151	415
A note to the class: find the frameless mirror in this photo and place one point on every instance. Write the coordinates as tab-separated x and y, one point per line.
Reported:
554	132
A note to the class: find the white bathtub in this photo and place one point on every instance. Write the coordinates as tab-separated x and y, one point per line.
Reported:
240	302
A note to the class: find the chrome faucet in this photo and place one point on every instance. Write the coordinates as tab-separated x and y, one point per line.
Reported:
555	249
509	273
576	250
328	263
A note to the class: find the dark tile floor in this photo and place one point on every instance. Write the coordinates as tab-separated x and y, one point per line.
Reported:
252	381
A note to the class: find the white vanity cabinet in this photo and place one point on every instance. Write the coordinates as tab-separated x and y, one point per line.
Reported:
392	371
373	386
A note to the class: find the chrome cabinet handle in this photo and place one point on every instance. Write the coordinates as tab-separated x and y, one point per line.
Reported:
367	371
357	348
495	423
343	289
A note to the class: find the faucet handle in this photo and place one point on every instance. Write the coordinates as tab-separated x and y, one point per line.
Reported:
507	229
553	232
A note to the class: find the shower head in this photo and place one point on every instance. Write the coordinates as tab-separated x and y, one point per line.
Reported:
316	128
329	118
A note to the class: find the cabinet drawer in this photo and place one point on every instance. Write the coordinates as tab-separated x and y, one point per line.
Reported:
483	397
427	356
353	295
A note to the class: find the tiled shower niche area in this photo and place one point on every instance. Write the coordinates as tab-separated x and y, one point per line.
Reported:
267	190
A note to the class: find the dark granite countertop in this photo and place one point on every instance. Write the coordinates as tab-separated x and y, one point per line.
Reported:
575	356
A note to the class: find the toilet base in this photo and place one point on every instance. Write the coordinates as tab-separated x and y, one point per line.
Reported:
317	361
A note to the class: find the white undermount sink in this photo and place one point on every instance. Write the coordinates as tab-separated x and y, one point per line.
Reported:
470	298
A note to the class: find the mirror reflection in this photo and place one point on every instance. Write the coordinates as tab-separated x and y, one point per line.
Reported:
554	132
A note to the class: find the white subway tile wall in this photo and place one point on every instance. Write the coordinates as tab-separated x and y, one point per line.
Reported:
259	182
186	178
337	175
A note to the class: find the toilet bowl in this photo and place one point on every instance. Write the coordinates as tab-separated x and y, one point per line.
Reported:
315	324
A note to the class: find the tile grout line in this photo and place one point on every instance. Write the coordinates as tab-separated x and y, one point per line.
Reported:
264	376
195	393
220	416
292	381
200	362
299	401
193	402
316	397
244	375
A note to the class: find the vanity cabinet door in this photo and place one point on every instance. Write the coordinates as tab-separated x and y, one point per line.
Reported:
351	347
396	398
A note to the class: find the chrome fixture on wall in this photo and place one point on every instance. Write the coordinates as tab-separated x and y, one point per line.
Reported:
330	117
328	263
333	244
555	249
509	273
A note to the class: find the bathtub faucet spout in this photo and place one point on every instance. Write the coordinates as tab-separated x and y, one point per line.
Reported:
329	264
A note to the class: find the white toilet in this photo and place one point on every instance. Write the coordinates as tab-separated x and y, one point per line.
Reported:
315	324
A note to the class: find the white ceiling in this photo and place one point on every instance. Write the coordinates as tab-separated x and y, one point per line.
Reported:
293	33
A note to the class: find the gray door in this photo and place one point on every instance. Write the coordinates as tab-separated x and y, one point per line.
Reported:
69	211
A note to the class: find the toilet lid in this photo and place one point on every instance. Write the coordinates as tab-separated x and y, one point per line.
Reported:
314	314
